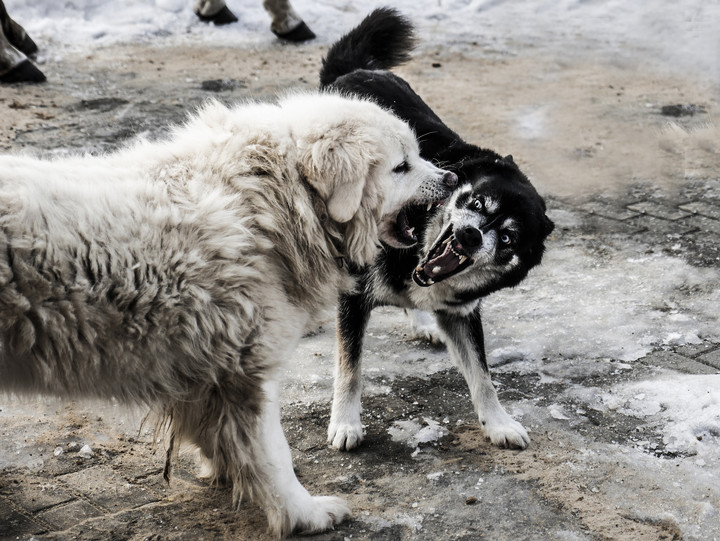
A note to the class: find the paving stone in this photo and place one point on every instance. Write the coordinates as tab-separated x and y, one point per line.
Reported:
702	223
12	522
102	486
67	515
34	494
616	212
680	363
702	207
693	350
658	210
656	225
711	359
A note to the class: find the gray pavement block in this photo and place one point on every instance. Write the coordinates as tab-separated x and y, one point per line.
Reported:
704	208
37	493
66	515
608	210
13	521
105	488
655	225
693	350
652	208
711	359
674	361
703	224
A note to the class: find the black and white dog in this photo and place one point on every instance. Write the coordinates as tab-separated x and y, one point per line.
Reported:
486	236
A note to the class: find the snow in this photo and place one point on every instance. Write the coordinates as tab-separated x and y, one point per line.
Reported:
412	433
620	305
615	28
687	407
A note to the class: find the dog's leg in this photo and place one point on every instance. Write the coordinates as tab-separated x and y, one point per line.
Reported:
423	325
345	431
300	512
464	337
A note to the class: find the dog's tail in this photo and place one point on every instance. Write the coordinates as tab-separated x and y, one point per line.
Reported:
382	40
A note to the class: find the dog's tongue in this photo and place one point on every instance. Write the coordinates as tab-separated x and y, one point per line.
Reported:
442	264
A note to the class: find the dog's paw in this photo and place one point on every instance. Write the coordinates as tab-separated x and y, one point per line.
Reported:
506	432
320	516
345	436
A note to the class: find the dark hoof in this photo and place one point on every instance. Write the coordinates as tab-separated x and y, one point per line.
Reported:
224	16
300	33
24	72
27	46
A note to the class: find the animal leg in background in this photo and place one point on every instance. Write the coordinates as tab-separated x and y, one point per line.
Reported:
15	44
286	23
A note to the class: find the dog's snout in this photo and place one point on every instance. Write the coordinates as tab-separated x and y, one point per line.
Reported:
469	237
450	179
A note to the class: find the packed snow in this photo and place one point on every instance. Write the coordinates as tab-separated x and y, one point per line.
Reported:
614	28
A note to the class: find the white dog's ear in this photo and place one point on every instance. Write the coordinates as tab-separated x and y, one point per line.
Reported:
338	170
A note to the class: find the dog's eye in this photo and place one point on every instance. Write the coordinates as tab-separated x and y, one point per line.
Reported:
505	238
477	204
404	167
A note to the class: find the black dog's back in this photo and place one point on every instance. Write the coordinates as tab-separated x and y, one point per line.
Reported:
357	63
383	40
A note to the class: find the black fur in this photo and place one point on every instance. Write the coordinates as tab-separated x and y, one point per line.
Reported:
358	64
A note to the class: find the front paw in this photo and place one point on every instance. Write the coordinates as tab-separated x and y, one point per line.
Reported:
323	515
506	433
345	436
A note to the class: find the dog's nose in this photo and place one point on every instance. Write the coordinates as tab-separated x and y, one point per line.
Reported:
450	179
469	237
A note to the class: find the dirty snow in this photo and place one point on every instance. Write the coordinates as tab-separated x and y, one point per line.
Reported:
686	407
622	29
412	433
620	304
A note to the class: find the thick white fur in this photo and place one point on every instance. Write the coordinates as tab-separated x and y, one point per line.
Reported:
182	273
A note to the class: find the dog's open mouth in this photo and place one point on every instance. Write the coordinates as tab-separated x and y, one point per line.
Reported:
404	230
445	259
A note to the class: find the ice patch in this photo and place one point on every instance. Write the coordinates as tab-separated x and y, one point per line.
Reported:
412	433
688	406
612	305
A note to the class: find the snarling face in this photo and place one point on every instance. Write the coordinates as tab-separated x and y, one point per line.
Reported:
488	235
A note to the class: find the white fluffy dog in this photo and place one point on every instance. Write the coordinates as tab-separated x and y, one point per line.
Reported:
182	273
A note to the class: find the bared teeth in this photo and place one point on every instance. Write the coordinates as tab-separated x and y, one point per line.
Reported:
462	259
430	281
446	241
429	207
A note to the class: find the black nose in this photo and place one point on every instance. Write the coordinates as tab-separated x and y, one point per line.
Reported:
450	179
469	237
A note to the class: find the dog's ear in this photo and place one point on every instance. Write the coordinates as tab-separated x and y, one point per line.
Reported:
338	170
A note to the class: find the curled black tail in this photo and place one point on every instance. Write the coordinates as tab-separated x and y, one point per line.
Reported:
382	40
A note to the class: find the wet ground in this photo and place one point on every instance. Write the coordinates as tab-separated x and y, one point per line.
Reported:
92	470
